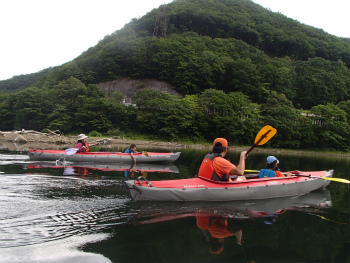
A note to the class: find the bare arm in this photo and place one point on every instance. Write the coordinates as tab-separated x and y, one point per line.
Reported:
239	169
133	158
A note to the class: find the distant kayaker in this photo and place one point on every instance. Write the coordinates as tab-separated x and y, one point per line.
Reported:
215	167
82	145
132	150
271	169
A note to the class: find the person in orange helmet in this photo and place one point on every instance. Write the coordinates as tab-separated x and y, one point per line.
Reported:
215	167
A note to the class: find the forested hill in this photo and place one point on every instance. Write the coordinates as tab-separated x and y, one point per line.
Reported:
229	45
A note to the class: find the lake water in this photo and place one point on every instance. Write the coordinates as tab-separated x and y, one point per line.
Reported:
52	213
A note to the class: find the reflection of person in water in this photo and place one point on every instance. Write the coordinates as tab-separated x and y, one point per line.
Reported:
130	172
216	229
75	171
269	217
81	171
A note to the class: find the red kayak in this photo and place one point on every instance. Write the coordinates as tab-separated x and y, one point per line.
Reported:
201	189
102	157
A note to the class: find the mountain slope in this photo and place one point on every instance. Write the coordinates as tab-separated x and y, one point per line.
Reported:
232	45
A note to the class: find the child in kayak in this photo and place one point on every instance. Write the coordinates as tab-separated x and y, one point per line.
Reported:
271	169
132	150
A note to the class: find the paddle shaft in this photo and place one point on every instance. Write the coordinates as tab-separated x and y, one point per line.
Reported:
72	151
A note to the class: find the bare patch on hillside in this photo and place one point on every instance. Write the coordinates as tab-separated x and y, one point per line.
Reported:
129	87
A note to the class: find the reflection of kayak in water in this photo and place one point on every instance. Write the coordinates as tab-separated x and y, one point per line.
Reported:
153	212
201	189
139	167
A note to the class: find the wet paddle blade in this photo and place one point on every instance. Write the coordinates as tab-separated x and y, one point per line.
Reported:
71	151
264	135
340	180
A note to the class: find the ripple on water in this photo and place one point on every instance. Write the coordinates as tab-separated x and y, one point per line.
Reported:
59	251
83	217
33	209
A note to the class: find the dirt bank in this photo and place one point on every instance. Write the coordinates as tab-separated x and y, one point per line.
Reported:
23	140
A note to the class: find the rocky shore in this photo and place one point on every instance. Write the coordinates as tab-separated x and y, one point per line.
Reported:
22	140
25	139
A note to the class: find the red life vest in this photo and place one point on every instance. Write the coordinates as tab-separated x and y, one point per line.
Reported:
207	169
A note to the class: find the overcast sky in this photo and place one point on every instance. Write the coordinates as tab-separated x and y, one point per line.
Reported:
37	34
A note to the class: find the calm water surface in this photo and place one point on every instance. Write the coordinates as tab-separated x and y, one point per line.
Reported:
62	213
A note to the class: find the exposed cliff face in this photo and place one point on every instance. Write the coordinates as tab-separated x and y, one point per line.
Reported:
129	87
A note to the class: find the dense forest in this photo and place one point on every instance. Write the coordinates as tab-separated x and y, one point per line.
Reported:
237	65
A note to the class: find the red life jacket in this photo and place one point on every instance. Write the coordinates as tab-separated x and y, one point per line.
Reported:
207	169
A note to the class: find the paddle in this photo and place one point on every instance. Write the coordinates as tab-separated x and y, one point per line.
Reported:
71	151
264	135
340	180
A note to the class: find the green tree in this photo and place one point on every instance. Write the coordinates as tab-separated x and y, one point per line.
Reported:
229	115
163	114
279	112
60	119
31	108
331	127
93	115
7	113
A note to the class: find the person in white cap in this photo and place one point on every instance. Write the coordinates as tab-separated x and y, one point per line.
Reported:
271	168
82	145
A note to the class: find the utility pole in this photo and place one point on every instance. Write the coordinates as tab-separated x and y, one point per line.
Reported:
160	26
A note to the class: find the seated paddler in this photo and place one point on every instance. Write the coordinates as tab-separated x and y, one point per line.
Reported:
271	168
215	167
81	144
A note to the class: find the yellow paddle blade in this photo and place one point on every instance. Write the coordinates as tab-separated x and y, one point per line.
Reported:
251	171
328	219
264	135
337	180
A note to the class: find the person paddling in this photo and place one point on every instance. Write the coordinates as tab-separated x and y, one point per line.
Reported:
271	168
215	167
82	145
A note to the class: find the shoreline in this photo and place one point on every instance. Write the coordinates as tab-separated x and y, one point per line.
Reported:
23	140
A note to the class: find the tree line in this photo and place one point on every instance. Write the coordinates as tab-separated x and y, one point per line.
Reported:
237	65
73	107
